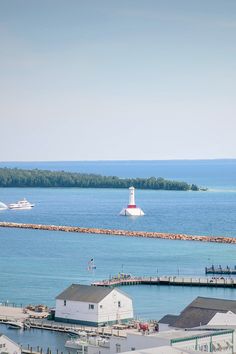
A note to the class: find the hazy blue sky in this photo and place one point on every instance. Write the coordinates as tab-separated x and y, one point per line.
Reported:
117	79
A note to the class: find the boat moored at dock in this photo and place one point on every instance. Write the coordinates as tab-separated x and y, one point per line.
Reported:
15	325
82	343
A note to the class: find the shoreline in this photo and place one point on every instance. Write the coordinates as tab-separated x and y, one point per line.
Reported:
100	231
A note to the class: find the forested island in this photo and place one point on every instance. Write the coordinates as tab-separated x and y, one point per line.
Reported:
14	177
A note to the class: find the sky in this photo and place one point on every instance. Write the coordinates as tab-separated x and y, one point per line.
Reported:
117	79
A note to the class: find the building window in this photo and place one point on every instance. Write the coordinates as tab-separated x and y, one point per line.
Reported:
118	348
64	302
119	304
91	307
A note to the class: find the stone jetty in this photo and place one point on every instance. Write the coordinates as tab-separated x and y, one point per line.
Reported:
147	234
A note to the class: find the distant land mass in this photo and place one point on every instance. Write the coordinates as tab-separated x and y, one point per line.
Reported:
14	177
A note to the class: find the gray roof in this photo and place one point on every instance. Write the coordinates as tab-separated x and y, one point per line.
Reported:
168	319
84	293
214	304
201	311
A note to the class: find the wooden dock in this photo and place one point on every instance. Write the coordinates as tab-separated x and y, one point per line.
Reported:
220	270
170	280
74	328
30	351
114	232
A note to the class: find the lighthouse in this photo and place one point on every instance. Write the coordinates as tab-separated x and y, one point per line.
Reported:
132	209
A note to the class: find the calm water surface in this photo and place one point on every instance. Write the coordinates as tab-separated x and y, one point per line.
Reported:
35	266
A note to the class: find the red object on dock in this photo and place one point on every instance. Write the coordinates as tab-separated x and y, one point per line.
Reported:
143	326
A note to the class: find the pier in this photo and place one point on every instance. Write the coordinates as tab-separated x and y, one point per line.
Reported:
71	329
220	270
98	231
171	281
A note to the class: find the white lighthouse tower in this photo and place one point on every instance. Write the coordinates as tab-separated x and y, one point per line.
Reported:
132	209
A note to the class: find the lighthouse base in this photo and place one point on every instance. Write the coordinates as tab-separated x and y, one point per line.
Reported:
132	212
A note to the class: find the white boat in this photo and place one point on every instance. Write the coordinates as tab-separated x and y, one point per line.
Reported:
21	205
82	344
15	325
78	344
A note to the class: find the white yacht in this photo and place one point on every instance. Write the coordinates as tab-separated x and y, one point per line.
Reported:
82	343
21	204
15	325
76	344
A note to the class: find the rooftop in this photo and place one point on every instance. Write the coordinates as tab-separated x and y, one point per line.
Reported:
84	293
199	312
180	334
163	350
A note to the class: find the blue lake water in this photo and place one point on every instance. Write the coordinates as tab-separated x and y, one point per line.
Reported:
211	173
35	266
38	338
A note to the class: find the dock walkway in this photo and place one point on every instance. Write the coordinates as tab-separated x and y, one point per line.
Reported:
170	280
74	328
220	270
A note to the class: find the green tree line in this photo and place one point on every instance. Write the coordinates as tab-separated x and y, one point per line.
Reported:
14	177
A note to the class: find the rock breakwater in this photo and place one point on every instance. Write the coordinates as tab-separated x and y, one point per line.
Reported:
147	234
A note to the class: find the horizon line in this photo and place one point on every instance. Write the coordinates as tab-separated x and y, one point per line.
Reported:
122	160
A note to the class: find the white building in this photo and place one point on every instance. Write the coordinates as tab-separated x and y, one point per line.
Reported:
223	319
173	341
8	346
93	306
163	350
132	209
198	340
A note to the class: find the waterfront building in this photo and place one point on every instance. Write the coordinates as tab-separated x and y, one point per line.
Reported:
163	350
199	312
223	319
93	306
8	346
199	340
132	209
171	341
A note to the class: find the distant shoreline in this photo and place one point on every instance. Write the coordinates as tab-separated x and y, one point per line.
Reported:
22	178
114	232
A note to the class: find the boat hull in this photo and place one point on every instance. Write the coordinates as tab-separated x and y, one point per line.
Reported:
20	208
15	325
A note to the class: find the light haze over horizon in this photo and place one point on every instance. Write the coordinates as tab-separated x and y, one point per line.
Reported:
125	80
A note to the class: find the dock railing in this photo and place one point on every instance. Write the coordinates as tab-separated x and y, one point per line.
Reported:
169	280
